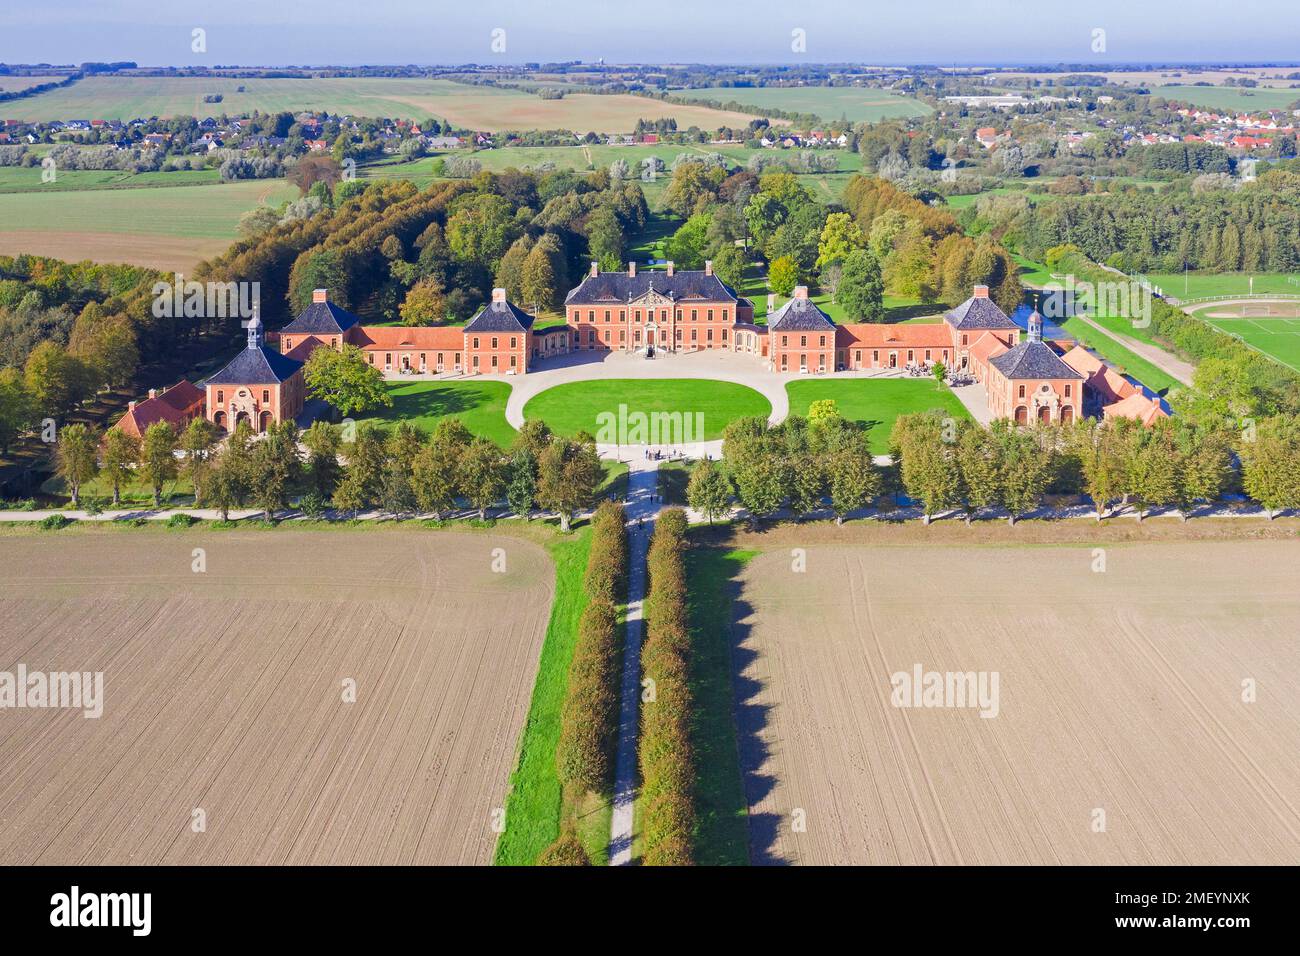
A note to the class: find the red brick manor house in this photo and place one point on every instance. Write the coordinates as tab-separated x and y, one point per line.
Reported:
1026	378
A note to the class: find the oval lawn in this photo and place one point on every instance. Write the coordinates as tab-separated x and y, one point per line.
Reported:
623	410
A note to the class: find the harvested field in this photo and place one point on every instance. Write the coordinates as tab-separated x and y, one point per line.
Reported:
223	691
163	227
466	105
1118	691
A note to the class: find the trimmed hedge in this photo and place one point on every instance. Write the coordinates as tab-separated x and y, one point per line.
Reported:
585	754
606	578
666	757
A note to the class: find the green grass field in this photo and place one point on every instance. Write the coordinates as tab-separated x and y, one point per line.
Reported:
466	106
579	406
14	179
875	402
831	103
1229	97
165	227
481	406
1278	338
722	812
535	802
1195	285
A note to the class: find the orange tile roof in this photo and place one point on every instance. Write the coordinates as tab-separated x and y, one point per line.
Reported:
143	414
987	346
183	396
174	406
413	337
1100	376
1138	406
1083	361
880	335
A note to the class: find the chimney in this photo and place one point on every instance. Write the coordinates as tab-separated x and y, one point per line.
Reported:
498	295
708	267
670	267
595	269
801	292
981	292
631	270
320	295
153	393
130	406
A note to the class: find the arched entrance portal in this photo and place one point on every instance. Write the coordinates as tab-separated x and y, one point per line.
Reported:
219	419
1067	414
1022	415
265	422
242	417
1045	413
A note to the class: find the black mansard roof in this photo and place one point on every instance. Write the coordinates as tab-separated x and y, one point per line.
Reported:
610	287
1032	359
321	318
258	365
800	315
501	316
979	312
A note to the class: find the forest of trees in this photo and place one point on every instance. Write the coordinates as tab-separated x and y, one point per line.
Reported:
387	249
1211	222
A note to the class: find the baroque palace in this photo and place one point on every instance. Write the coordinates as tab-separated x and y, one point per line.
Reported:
1026	378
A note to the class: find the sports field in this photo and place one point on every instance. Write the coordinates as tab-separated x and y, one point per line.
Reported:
227	695
613	407
167	227
1119	731
1196	285
466	106
831	103
1271	327
875	402
480	405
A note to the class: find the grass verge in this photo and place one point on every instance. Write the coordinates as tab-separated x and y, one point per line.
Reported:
535	802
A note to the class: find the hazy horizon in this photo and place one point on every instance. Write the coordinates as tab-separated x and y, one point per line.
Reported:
414	32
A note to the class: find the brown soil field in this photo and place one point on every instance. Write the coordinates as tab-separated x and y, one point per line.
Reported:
1119	691
168	253
223	691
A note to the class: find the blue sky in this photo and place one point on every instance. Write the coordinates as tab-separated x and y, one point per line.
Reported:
281	32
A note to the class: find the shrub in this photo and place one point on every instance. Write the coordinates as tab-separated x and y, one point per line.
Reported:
54	522
181	521
312	505
565	851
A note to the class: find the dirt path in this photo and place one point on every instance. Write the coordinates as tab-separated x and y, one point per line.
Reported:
1175	368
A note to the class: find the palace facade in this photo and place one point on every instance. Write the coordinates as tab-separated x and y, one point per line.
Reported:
1025	377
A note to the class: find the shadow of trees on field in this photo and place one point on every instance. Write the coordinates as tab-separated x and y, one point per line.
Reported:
751	721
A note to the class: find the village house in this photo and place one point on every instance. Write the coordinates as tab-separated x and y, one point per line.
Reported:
177	405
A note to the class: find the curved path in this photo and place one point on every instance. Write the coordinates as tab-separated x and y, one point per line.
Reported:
1175	368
